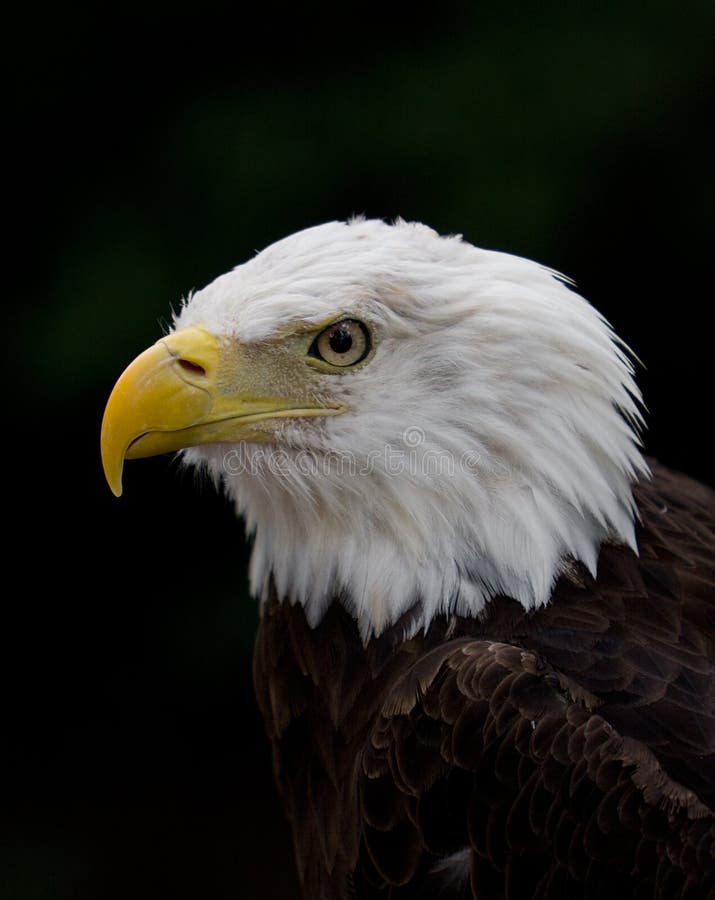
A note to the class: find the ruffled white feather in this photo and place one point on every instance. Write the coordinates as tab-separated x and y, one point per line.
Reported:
492	438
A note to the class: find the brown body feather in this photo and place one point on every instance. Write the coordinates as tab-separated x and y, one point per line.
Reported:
567	752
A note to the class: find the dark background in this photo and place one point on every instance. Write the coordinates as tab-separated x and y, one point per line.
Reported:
153	148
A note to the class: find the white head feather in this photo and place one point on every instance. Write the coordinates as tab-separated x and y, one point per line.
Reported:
492	438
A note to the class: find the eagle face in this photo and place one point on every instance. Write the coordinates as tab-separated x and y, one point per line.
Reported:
405	421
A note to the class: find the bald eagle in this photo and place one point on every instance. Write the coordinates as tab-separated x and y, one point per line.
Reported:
485	655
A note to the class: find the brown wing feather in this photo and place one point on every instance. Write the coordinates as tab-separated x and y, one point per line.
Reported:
641	638
549	798
566	752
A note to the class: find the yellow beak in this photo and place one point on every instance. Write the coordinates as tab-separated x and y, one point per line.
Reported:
190	388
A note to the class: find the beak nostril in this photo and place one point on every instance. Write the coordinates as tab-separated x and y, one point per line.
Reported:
192	367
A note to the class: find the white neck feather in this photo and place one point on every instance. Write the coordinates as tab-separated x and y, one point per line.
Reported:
491	440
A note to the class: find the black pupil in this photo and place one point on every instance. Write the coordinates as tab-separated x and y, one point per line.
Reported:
340	340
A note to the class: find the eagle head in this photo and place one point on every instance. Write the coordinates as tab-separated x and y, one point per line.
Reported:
406	422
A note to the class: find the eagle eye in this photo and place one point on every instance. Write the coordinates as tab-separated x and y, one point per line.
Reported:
342	344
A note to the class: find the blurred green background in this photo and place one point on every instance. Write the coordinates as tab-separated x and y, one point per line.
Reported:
154	147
